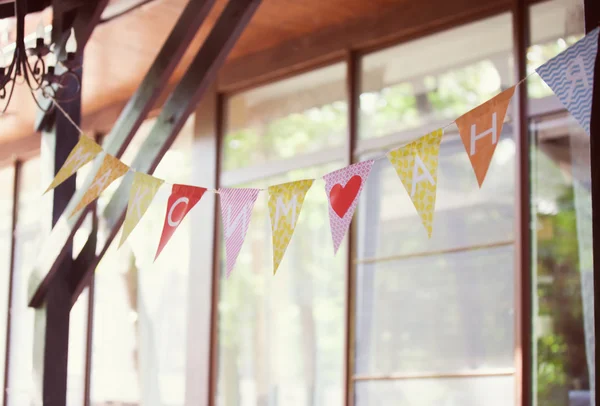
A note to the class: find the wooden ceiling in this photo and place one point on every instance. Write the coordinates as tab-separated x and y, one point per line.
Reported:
120	51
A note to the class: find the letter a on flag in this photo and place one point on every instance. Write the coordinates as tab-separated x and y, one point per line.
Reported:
110	170
142	193
84	151
285	203
183	198
480	130
236	209
416	164
343	188
570	75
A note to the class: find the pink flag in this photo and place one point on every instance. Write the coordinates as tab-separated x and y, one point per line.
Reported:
236	210
343	188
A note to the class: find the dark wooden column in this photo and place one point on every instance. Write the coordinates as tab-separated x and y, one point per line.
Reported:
523	269
592	20
57	142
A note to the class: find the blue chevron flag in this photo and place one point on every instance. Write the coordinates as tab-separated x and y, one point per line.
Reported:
570	75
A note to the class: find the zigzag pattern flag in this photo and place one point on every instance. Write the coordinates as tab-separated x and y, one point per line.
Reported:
570	75
236	210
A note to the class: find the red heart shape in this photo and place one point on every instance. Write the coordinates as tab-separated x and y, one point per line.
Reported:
341	197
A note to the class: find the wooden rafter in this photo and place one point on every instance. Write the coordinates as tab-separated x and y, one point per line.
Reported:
177	109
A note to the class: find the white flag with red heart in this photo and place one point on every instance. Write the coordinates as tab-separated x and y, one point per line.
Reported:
343	188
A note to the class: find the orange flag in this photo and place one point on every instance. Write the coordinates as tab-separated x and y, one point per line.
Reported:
480	130
111	170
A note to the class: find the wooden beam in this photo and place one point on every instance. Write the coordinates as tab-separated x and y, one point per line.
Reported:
180	104
123	131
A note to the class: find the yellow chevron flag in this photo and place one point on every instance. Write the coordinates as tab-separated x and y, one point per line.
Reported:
110	170
285	204
416	164
84	151
142	193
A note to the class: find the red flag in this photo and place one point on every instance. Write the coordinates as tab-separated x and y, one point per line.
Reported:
183	198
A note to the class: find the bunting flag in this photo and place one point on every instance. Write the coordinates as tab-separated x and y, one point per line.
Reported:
480	130
110	170
285	203
570	75
343	188
183	199
416	164
143	190
84	151
236	210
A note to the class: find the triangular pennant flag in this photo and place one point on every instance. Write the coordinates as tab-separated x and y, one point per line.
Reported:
343	188
480	131
236	210
84	151
416	164
110	170
183	198
142	193
570	75
285	203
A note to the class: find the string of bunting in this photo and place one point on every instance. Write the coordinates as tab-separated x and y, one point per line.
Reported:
570	75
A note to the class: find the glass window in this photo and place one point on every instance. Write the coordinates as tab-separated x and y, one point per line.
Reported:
562	263
29	237
140	306
554	27
435	317
435	79
6	204
563	300
301	115
281	337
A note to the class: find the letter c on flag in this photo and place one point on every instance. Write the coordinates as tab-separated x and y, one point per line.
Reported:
172	223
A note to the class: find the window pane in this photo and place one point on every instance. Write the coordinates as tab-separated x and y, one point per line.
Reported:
140	306
435	79
28	243
301	115
563	305
281	337
489	391
6	202
452	295
554	28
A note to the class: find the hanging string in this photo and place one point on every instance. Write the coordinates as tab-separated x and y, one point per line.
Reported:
216	191
67	116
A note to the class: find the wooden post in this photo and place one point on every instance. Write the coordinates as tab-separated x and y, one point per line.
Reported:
522	274
52	320
592	20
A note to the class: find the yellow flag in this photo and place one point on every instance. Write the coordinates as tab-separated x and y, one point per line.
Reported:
285	203
416	164
110	170
81	154
142	193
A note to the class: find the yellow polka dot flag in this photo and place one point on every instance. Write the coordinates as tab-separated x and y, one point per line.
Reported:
416	164
84	151
285	204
